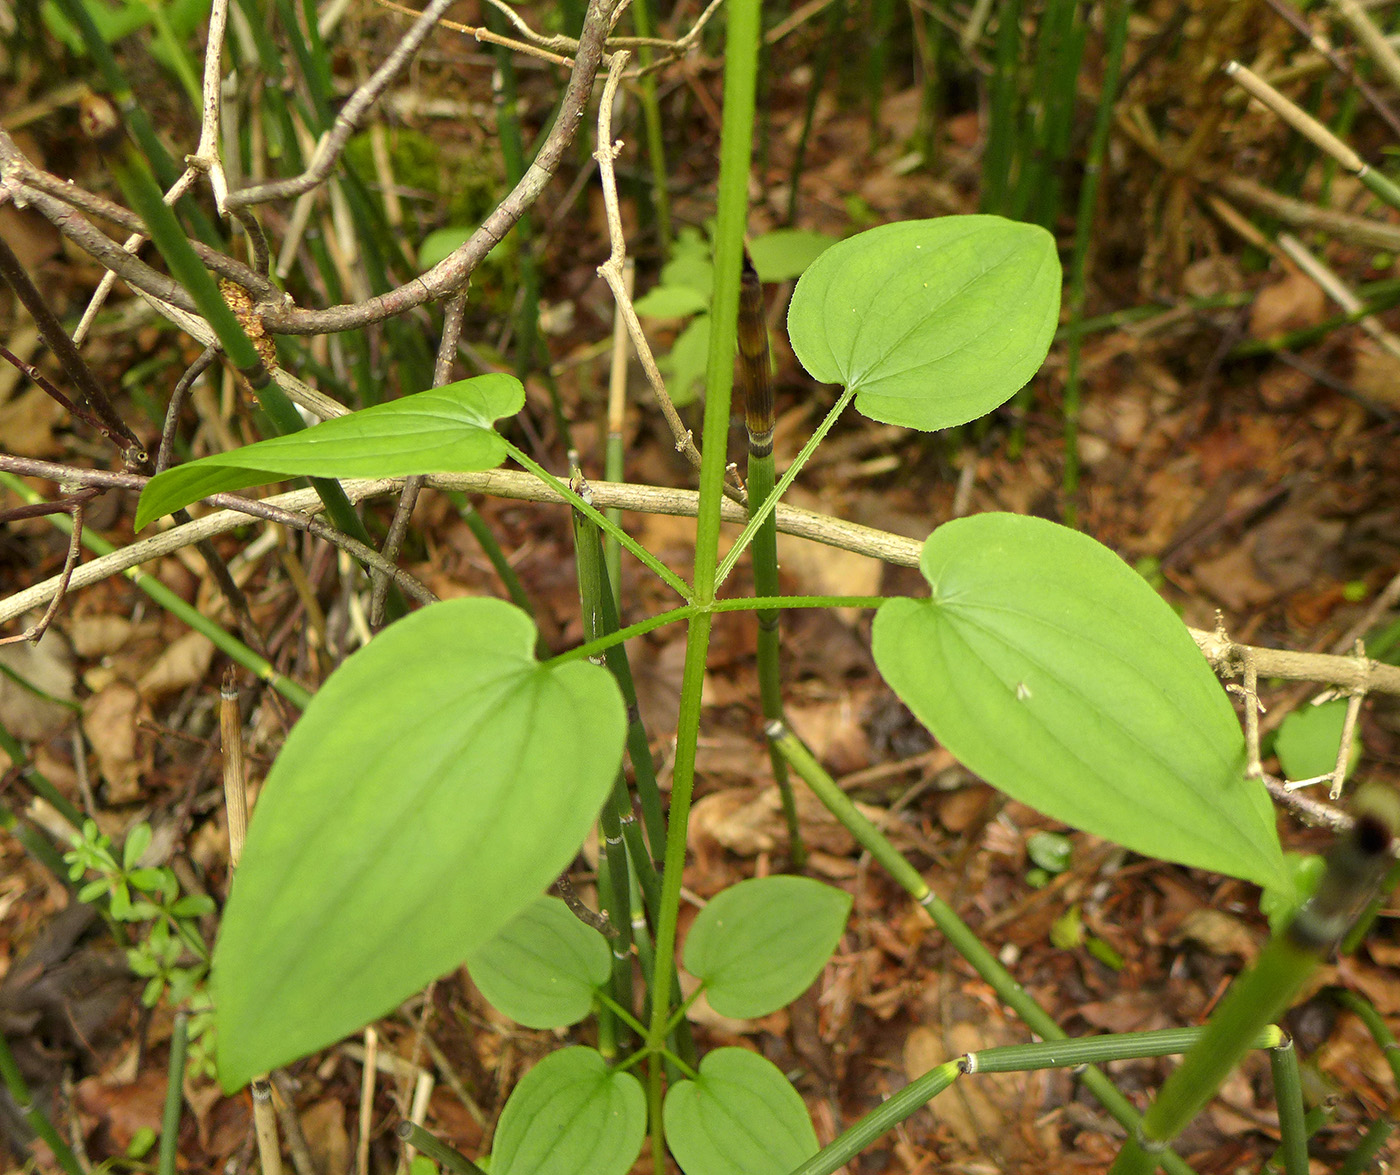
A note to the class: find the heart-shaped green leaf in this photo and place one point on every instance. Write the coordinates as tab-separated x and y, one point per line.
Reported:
741	1117
933	322
1051	669
446	430
542	969
759	944
438	782
571	1115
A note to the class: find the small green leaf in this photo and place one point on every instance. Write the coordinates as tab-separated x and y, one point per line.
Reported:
1050	850
1308	740
671	302
93	890
441	243
1049	668
685	365
759	944
138	840
741	1117
446	430
438	782
782	255
195	905
571	1115
543	968
932	322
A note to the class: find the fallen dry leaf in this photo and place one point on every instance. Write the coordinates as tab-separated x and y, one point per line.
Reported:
185	661
109	721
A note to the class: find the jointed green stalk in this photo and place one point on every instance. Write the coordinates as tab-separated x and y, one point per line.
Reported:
1354	868
959	935
758	516
757	379
736	144
1288	1096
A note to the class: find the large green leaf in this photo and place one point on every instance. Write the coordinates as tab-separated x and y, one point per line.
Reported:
542	969
446	430
571	1115
1052	670
741	1117
759	944
437	783
933	322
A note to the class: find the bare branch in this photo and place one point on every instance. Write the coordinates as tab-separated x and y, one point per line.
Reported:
613	272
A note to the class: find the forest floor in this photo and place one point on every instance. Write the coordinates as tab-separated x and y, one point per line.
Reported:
1253	482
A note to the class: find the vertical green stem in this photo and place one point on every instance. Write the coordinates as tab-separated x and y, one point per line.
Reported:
174	1096
1288	1096
1368	1148
736	144
37	1119
1083	234
756	371
656	143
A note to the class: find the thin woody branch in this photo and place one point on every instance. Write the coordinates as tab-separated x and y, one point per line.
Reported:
1224	655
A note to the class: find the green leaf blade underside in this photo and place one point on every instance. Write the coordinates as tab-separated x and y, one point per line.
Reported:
933	322
444	430
759	945
437	784
1052	670
742	1117
571	1114
543	968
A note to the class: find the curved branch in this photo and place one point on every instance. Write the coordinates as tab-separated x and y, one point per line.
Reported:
451	274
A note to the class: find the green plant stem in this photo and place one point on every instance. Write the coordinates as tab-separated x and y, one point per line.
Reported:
736	145
742	604
136	118
1097	1050
656	142
616	895
1355	866
1288	1096
957	932
36	843
491	548
1117	30
437	1150
662	572
1366	1012
296	694
37	1119
890	1114
1368	1148
835	18
756	518
174	1096
38	782
755	366
999	155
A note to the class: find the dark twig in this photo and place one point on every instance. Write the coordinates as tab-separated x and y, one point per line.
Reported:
46	385
113	427
177	402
